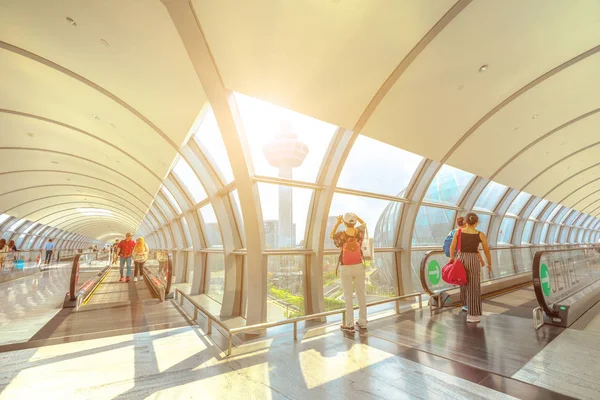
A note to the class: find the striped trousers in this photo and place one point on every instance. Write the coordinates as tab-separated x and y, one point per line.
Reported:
470	294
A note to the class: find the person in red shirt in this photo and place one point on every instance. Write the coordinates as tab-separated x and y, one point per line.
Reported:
125	250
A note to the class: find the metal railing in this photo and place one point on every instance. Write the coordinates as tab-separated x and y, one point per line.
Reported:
180	296
21	260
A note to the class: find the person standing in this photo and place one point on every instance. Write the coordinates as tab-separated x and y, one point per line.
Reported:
352	268
49	247
3	249
462	224
140	255
125	251
470	238
12	246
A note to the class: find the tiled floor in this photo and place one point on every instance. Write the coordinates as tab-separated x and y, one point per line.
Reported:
569	364
30	302
184	363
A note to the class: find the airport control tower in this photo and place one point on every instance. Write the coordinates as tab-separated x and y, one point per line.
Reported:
286	152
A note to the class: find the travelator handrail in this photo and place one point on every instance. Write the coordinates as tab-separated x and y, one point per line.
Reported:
424	265
78	295
180	295
165	267
565	274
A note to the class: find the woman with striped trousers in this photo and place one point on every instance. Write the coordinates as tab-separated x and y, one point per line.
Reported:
470	237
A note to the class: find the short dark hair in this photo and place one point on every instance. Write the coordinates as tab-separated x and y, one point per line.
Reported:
472	218
50	240
460	221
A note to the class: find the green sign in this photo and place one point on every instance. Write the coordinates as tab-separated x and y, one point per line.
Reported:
545	280
434	271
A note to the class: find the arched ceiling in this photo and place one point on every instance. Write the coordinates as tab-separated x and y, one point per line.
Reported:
92	114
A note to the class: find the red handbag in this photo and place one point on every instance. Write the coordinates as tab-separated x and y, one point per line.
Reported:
455	273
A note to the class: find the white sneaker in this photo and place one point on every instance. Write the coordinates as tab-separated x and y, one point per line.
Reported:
135	279
473	319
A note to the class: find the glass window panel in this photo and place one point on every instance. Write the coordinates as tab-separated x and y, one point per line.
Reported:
544	233
16	225
580	235
171	199
381	280
580	219
381	217
285	285
3	218
236	203
562	215
538	209
569	219
518	203
212	232
189	179
211	142
164	207
216	276
159	216
432	226
484	222
7	235
177	234
284	210
587	236
506	229
527	231
19	240
563	234
377	167
573	235
186	232
553	234
490	197
282	142
448	185
553	213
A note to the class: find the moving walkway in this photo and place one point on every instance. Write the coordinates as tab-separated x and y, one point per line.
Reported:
565	279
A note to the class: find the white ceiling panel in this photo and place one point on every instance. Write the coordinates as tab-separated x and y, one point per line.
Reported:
326	59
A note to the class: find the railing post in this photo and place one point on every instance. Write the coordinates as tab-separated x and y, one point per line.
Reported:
229	345
195	314
344	317
209	326
397	306
420	300
295	331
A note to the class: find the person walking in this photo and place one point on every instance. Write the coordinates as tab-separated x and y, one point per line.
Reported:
49	247
140	255
470	238
125	250
115	251
352	268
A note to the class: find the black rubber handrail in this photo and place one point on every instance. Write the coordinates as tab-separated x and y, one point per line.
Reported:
425	258
537	282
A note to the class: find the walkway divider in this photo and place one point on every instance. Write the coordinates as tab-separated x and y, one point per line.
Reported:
566	284
78	295
230	332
